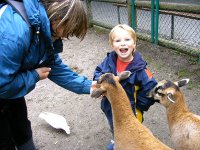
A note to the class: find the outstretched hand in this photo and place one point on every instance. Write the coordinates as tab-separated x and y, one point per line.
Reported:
43	72
93	86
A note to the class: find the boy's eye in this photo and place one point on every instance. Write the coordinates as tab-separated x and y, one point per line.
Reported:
127	39
117	40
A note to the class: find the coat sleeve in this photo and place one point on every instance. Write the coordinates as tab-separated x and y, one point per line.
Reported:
146	83
13	82
63	76
101	69
97	72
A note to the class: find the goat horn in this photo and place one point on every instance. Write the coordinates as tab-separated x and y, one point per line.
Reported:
170	99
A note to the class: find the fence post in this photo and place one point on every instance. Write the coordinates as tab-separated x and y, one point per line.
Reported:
133	14
89	12
152	21
172	27
118	14
157	21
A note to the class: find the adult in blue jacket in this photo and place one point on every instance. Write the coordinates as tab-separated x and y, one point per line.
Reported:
26	58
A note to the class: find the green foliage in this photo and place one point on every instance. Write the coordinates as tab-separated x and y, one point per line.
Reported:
185	73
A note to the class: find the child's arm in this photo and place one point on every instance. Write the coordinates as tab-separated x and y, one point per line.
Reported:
146	83
102	68
97	72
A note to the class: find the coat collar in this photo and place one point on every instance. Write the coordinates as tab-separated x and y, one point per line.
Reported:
136	64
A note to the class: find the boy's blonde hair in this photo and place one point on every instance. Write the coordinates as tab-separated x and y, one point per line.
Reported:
125	27
71	14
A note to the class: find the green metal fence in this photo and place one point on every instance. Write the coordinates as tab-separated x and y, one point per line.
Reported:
176	26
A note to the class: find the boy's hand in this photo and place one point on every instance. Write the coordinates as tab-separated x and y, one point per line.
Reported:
43	72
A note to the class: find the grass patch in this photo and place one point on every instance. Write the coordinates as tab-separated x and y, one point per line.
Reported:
193	61
148	59
183	73
193	85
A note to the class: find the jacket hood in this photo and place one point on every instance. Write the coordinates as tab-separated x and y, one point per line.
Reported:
137	63
38	19
32	10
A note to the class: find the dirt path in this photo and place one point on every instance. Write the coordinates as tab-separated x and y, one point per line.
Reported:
89	129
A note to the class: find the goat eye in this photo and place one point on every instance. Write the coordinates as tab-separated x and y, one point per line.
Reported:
158	88
160	94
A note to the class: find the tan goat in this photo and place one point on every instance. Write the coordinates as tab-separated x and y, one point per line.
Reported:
129	133
184	126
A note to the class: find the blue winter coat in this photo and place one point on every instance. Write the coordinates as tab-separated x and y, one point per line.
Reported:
20	54
139	78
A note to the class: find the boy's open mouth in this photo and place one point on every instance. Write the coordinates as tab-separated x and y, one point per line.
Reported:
123	50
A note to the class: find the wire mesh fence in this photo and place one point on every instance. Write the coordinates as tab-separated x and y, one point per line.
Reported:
181	30
108	13
196	2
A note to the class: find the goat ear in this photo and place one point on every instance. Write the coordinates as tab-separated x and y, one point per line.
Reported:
124	75
97	92
182	82
170	97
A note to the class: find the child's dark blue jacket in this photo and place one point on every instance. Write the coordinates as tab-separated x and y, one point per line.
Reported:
137	85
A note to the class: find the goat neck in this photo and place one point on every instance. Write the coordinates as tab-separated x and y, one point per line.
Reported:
176	111
120	105
129	132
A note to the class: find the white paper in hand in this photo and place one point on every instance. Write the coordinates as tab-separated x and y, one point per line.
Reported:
56	121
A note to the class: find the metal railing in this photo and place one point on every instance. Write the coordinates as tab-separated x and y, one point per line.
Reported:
176	26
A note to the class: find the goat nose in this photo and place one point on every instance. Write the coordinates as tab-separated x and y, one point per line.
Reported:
157	101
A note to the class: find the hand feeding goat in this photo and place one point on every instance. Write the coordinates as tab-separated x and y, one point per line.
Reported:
184	126
129	133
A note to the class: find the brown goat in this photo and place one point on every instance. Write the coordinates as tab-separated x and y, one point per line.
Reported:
184	126
129	133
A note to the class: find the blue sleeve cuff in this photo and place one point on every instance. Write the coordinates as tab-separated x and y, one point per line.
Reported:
36	75
87	87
